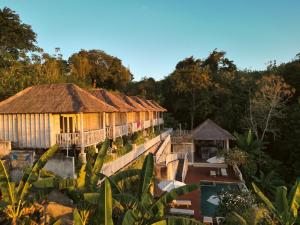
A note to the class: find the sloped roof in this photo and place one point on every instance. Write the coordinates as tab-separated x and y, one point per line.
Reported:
209	130
113	100
143	103
138	107
54	98
158	105
158	109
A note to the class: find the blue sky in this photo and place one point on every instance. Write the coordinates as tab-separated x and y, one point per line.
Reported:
151	36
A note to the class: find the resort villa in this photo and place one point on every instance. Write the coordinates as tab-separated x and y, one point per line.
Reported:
71	117
64	114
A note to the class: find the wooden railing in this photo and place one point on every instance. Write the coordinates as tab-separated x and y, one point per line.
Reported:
93	137
89	138
116	165
109	132
171	158
146	124
121	130
185	167
133	127
160	156
160	121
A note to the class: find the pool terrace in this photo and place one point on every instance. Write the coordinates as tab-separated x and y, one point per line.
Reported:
202	174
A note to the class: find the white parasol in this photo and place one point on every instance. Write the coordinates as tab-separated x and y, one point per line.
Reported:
216	159
169	185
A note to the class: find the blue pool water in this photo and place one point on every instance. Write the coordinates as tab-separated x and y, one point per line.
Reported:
209	191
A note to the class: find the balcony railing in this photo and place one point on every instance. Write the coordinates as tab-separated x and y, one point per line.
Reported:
121	130
160	121
109	132
89	138
146	124
134	127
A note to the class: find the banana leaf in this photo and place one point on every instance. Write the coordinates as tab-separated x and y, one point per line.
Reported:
146	175
32	174
294	199
176	220
7	187
264	198
95	176
129	218
105	205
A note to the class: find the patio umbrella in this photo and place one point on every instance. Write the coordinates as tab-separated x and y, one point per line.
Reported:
169	185
216	159
213	199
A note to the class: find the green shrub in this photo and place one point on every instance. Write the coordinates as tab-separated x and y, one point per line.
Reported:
119	142
124	150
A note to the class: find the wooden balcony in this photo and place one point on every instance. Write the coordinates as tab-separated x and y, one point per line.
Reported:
146	124
121	130
134	127
93	137
160	121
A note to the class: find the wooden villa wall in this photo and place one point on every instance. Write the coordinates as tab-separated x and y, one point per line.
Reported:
26	130
92	121
120	118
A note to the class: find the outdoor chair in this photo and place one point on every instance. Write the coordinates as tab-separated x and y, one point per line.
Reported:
182	211
186	203
207	220
224	172
213	173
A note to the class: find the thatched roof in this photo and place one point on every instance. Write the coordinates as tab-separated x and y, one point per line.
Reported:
138	107
54	98
113	100
209	130
143	103
158	109
162	109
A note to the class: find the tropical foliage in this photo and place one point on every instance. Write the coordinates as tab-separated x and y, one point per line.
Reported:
14	204
286	204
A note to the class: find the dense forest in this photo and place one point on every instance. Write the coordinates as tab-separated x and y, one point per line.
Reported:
267	102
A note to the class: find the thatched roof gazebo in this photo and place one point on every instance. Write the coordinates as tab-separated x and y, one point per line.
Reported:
210	131
208	139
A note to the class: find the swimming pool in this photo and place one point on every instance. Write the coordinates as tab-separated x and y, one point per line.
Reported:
209	200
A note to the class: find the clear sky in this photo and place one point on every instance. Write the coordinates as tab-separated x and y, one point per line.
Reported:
151	36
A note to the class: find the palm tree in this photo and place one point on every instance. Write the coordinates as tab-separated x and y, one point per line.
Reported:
13	204
286	205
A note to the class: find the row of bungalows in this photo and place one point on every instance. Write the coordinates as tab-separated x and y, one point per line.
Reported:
65	114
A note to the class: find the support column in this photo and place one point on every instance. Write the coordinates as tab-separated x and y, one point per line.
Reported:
157	119
227	144
82	155
126	122
104	125
113	125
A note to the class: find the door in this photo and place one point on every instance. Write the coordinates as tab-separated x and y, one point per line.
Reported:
67	124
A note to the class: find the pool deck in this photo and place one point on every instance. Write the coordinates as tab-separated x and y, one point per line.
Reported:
195	175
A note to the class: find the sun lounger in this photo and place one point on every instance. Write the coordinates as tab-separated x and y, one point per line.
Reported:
207	220
224	172
220	220
182	211
213	173
186	203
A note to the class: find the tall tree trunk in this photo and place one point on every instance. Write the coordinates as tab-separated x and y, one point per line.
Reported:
14	221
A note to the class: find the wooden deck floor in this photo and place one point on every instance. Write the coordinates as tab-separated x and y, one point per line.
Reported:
197	174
